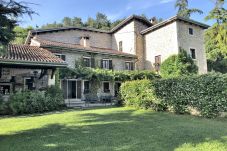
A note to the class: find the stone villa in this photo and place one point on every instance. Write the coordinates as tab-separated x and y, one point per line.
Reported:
134	44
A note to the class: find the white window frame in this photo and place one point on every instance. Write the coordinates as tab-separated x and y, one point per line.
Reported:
129	65
85	57
191	53
108	64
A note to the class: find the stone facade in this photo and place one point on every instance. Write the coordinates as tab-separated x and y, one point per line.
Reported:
195	41
167	40
137	38
161	42
96	39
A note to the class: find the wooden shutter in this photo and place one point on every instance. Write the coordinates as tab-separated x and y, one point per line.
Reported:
101	64
132	66
92	62
110	64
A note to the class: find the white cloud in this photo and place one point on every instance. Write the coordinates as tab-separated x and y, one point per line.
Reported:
166	1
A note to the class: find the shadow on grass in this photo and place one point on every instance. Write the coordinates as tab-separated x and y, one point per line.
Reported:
121	130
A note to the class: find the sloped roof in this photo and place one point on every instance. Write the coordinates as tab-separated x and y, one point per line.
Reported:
175	18
30	55
117	27
76	47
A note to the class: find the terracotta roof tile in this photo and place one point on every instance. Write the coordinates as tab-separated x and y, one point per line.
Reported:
26	53
48	43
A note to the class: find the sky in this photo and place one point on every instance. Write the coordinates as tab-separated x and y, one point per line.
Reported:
55	10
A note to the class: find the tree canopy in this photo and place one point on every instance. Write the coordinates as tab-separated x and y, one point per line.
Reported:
216	38
10	11
183	10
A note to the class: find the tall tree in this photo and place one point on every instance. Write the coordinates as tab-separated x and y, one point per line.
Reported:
216	38
102	22
10	11
183	10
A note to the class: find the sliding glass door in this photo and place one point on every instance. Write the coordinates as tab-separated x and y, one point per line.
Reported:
72	89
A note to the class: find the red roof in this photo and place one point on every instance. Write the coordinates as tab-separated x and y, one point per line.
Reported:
48	43
29	54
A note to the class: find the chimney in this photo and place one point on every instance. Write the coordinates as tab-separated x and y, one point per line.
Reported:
154	20
84	41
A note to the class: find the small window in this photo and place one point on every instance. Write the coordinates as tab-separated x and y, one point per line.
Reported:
106	87
157	63
193	55
120	46
60	56
129	65
190	31
86	87
106	64
87	61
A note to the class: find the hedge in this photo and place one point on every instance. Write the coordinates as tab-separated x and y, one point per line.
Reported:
36	101
207	94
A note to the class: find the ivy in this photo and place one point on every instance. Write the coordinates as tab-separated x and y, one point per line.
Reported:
105	75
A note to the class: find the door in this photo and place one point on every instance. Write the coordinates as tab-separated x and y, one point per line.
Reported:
72	89
117	88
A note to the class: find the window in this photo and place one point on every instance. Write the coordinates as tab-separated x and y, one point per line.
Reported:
28	83
120	46
106	64
86	87
5	88
129	65
61	56
190	30
87	61
157	62
192	52
106	87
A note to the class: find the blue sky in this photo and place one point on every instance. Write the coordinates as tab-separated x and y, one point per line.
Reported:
54	10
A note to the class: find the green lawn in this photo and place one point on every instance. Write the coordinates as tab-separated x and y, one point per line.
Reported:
112	129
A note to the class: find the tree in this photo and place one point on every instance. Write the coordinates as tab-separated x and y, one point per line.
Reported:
21	34
67	21
183	10
216	38
90	23
10	11
102	22
178	65
77	22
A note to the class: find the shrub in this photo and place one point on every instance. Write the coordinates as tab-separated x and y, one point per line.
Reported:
139	94
178	65
36	101
205	93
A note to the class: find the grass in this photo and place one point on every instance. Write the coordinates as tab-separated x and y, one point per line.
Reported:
116	129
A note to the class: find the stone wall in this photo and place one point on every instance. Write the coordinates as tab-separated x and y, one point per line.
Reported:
102	40
195	41
127	36
139	44
162	41
118	62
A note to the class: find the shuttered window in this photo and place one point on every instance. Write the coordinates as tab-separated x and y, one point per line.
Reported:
120	46
106	64
157	62
129	65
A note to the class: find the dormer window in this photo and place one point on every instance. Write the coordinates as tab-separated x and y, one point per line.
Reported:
120	46
190	31
84	41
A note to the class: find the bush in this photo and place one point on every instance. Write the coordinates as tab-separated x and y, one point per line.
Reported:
206	93
36	101
178	65
139	94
